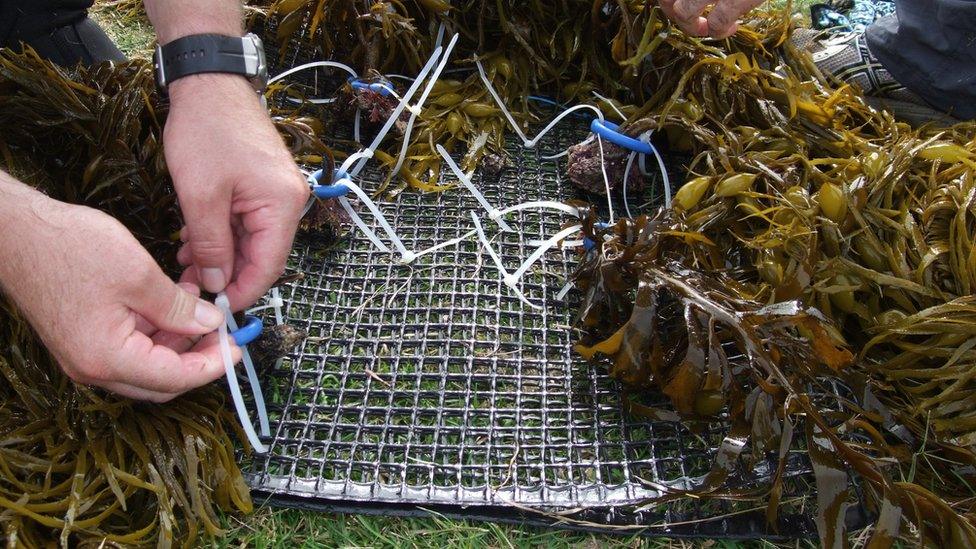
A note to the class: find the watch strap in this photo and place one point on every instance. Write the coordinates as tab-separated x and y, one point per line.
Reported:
203	53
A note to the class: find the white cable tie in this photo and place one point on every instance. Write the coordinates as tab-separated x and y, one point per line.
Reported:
549	204
606	179
562	293
446	243
612	106
277	303
556	156
380	218
558	119
440	35
312	65
493	212
529	143
355	126
664	175
362	155
271	304
498	263
487	245
223	337
399	109
630	164
252	374
401	158
344	202
538	253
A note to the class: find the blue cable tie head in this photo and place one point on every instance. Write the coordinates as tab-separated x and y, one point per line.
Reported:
248	332
609	131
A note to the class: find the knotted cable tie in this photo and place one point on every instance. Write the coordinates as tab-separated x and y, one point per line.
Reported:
381	88
332	190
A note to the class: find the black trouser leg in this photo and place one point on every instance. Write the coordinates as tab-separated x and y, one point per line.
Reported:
929	46
59	30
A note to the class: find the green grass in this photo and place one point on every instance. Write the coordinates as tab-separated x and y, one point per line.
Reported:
132	34
290	528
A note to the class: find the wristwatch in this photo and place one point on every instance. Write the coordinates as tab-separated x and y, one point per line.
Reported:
200	53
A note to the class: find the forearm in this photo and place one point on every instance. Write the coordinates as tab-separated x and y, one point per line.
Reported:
178	18
21	211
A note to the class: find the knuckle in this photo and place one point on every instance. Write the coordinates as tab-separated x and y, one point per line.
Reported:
181	309
685	10
207	248
719	22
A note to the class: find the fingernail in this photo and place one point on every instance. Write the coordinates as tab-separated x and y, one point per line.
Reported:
207	315
213	279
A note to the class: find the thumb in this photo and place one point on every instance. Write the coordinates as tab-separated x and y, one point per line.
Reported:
171	308
211	241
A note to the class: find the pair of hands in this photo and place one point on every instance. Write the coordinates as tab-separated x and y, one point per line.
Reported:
99	301
721	22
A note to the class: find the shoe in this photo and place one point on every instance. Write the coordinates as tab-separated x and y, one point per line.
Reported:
80	42
847	58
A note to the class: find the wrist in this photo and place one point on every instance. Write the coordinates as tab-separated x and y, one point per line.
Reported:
222	88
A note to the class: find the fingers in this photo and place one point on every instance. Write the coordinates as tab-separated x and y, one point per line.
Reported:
690	9
143	369
264	252
723	21
171	307
210	239
137	393
695	24
141	393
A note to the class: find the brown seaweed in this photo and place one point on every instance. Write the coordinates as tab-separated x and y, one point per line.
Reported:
78	466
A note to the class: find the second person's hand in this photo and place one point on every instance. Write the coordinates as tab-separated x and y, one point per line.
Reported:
722	22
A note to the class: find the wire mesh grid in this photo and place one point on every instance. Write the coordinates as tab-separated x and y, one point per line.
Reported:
431	386
432	383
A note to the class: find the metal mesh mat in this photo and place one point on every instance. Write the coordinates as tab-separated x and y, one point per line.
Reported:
432	387
432	384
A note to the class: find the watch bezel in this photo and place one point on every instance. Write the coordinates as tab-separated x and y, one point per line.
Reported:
255	61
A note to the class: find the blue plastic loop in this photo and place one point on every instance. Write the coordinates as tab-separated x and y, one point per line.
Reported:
331	190
608	131
248	332
382	88
588	243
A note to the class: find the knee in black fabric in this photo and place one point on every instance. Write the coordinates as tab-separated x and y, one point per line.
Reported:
59	30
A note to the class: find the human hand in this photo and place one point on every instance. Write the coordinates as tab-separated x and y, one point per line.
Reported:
240	191
722	22
103	307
